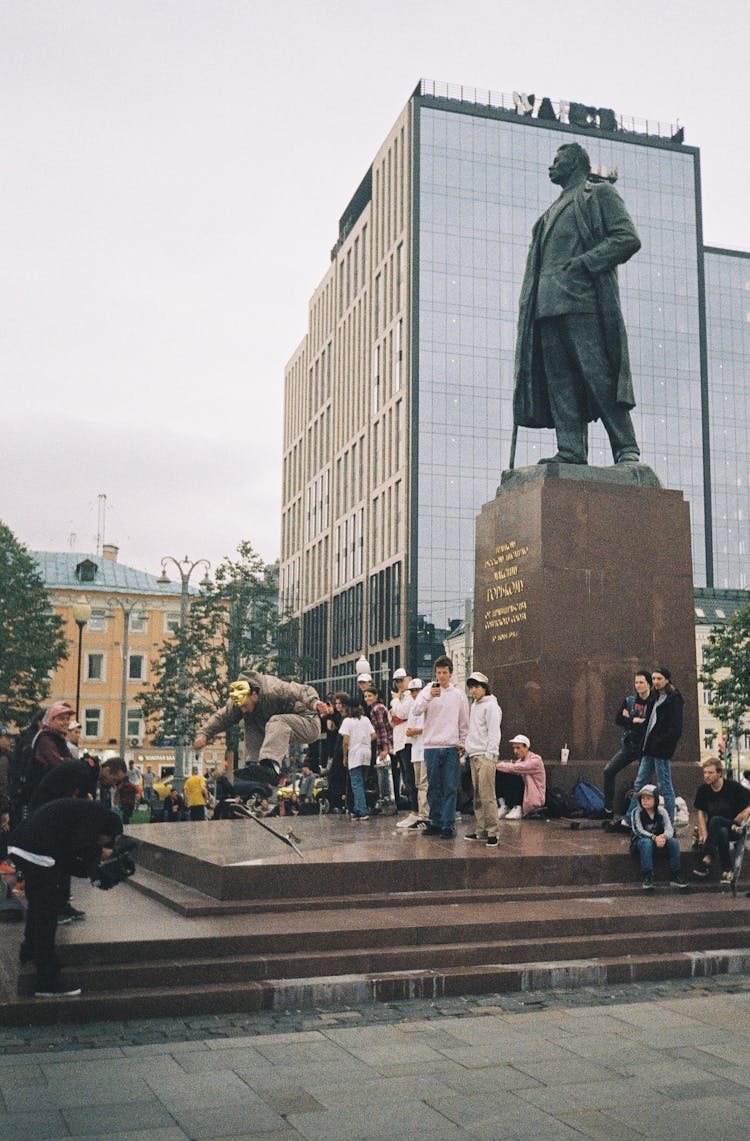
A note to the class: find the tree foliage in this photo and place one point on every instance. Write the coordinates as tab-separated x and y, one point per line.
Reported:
726	670
32	642
235	622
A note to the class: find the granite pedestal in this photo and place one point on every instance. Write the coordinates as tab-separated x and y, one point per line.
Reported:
583	575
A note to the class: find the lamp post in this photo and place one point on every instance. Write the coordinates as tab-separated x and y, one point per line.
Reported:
127	605
185	569
81	615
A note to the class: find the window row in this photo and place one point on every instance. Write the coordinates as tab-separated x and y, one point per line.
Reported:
93	723
95	668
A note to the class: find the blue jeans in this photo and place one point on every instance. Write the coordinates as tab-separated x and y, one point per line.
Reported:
646	849
357	779
443	777
658	771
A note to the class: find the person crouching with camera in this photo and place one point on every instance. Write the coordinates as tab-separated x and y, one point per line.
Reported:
63	837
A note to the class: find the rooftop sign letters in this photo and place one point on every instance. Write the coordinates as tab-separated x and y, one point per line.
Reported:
576	114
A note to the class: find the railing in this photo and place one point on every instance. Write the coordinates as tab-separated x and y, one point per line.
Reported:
520	104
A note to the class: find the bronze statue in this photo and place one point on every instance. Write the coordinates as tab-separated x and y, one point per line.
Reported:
572	361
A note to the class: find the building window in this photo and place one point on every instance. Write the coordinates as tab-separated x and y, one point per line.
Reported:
137	667
94	667
172	621
92	721
134	723
138	623
86	571
398	356
98	620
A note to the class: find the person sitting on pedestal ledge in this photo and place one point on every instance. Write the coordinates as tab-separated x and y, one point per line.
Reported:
722	805
522	783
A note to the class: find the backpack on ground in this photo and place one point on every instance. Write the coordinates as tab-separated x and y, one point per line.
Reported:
589	798
560	803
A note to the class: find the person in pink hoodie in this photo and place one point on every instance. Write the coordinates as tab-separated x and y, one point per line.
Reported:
523	784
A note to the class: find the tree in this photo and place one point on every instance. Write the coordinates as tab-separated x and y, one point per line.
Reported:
32	642
235	622
726	671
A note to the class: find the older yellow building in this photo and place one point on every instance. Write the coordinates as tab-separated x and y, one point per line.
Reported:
115	621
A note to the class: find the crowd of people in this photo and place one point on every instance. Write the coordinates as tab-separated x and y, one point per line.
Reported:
429	753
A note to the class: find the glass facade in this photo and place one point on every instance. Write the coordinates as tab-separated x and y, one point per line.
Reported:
481	184
728	338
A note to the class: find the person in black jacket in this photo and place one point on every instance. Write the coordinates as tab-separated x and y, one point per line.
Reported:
79	779
65	837
631	717
663	731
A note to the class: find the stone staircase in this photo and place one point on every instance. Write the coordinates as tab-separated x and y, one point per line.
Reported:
220	918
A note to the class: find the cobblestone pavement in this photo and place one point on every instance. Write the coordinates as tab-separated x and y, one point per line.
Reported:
650	1060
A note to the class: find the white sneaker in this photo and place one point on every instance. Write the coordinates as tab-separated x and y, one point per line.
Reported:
502	809
407	822
514	813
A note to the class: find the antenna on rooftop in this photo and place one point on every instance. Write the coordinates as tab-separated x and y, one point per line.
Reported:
100	522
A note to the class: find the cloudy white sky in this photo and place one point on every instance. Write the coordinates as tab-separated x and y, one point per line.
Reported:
172	176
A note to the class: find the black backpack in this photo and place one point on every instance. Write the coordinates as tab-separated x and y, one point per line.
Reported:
560	803
23	773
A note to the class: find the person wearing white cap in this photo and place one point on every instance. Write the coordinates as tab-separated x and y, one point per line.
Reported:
74	736
398	713
483	750
364	681
417	818
523	781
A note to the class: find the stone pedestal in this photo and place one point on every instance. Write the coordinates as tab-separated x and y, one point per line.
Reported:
582	576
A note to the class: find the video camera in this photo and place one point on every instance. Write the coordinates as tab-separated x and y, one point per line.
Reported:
120	865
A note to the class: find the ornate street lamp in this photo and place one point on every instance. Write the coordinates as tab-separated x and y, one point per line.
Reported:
185	569
81	615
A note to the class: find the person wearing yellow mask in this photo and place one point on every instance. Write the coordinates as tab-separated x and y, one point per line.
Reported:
275	714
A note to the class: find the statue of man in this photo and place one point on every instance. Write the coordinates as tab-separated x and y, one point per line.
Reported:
572	361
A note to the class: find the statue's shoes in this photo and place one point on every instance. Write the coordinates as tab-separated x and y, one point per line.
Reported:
558	459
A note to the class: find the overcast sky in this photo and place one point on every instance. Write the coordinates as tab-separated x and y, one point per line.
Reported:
172	177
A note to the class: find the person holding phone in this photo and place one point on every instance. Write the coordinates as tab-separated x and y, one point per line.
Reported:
446	723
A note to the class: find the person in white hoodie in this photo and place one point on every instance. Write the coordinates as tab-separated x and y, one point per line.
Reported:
483	751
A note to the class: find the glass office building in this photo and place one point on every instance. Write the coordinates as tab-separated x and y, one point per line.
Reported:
728	335
414	325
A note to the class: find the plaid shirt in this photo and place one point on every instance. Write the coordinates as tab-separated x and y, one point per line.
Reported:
378	715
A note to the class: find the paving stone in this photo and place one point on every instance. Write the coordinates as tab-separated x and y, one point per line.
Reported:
565	1071
205	1061
31	1126
295	1100
229	1120
604	1126
518	1122
72	1091
699	1117
170	1134
83	1121
413	1120
593	1095
201	1091
13	1074
476	1057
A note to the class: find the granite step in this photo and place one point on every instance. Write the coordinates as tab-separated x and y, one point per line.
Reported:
337	991
308	964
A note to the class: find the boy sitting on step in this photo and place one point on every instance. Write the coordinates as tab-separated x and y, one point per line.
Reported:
652	832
